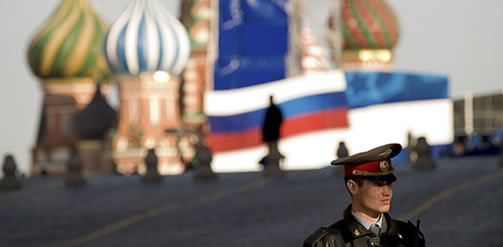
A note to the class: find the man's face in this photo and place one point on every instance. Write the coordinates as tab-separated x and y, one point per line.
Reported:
374	198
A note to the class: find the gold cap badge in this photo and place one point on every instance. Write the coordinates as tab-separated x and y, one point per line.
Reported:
386	153
384	165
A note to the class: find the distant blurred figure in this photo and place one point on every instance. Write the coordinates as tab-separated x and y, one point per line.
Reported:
424	160
270	134
272	123
342	151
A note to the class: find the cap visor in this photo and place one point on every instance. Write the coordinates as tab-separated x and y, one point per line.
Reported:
390	178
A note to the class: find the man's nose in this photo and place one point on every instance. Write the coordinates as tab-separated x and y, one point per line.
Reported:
387	190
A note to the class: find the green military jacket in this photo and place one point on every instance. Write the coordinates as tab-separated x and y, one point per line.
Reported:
349	232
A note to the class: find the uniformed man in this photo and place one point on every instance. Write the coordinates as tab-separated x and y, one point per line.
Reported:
368	177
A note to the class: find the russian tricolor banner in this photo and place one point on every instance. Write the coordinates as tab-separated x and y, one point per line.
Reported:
364	109
308	103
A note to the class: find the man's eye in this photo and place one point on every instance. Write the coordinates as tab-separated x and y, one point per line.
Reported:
380	184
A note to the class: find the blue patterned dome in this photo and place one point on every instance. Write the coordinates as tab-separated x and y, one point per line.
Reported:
147	38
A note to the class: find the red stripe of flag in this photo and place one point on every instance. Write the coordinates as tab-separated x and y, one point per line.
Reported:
334	118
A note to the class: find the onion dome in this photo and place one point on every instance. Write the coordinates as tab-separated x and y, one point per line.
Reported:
93	122
147	38
368	24
70	43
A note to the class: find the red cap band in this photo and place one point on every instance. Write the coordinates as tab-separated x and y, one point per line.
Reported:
373	168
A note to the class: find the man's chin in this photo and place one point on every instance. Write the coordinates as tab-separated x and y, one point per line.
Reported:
384	209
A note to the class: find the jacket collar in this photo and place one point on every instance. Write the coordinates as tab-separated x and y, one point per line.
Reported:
354	227
368	224
358	230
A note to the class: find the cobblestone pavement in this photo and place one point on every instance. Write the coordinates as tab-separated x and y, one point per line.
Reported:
459	204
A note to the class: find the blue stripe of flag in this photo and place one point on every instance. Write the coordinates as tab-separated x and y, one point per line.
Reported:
291	108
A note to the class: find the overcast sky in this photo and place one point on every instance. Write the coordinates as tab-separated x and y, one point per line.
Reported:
458	38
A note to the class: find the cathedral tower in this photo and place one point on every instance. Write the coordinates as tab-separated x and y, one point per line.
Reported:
197	17
66	55
147	49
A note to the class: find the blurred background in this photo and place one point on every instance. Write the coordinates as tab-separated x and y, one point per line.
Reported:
433	39
163	87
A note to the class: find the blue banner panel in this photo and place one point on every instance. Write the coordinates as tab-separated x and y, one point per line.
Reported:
371	88
252	43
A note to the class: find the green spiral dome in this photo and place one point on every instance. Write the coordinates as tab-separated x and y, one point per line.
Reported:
369	24
70	43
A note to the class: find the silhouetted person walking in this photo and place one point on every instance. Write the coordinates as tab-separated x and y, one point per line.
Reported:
272	123
270	134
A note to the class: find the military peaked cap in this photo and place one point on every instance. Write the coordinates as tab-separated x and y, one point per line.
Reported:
374	164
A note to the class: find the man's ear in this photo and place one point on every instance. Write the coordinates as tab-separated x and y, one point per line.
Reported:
352	187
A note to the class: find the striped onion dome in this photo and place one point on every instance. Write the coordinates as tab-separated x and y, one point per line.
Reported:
70	43
147	38
369	24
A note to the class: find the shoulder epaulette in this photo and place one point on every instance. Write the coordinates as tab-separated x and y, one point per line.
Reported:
316	236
